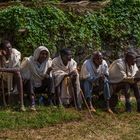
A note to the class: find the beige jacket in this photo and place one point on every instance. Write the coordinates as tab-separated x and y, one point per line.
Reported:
119	71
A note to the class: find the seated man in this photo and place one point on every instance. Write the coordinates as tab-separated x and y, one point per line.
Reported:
94	75
9	69
122	74
36	75
66	78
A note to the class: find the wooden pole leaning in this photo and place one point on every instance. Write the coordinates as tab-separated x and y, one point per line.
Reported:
2	82
73	94
3	92
82	94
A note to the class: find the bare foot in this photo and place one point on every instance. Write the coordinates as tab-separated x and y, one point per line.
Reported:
92	109
110	111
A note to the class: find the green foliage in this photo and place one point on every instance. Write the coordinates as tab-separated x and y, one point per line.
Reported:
114	27
120	23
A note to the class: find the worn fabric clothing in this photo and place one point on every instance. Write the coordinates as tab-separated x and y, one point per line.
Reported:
12	62
137	75
59	72
89	70
90	76
44	88
120	75
90	88
138	65
124	88
119	71
33	70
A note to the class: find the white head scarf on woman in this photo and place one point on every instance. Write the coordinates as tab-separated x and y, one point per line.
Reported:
33	70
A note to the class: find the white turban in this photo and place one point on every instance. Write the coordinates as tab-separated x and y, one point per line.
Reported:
39	50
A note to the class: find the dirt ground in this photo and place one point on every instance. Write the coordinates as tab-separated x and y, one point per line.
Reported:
103	126
73	131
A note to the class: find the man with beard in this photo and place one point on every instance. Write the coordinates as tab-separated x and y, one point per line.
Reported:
66	79
94	76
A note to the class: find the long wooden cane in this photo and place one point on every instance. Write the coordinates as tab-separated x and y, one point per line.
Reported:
86	104
83	99
3	93
20	88
2	84
73	93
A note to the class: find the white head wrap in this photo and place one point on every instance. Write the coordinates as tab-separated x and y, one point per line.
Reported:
39	50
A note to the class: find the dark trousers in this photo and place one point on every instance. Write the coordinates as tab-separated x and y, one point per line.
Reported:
46	87
124	88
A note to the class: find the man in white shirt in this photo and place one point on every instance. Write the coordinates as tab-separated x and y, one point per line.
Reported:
94	74
123	76
9	68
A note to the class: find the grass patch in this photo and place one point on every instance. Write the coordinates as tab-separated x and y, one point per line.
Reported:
51	123
44	116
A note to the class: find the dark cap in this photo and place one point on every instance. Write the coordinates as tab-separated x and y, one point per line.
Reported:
131	53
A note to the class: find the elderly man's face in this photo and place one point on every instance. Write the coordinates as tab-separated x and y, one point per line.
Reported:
43	56
67	57
98	59
7	50
131	60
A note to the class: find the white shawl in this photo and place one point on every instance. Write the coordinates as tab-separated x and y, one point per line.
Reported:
12	62
89	70
59	71
31	69
119	70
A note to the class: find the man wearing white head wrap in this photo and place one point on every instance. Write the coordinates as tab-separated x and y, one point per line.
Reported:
36	72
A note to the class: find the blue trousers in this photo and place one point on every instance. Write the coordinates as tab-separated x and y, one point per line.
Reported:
92	86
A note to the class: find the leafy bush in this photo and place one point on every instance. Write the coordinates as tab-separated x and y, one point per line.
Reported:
112	28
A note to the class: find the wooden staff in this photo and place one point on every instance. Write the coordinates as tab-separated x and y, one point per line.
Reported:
2	81
73	93
3	93
86	104
75	102
20	87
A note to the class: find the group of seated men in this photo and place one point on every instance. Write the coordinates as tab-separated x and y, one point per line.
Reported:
61	80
